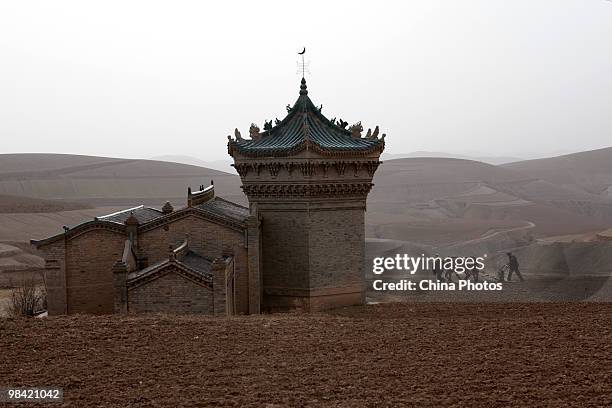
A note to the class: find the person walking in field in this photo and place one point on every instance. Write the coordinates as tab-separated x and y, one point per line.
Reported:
437	269
513	266
472	273
448	274
502	272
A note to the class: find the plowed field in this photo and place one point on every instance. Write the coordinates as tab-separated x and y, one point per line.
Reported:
431	355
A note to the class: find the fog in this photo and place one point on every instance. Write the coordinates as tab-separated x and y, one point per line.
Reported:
141	78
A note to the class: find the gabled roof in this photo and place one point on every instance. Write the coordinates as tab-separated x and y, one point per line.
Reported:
304	126
115	222
197	267
141	213
223	208
215	209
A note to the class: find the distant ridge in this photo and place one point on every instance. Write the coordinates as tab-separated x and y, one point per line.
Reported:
589	171
485	159
456	193
15	204
108	181
222	165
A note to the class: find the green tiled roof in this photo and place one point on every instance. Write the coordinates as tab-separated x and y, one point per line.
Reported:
304	126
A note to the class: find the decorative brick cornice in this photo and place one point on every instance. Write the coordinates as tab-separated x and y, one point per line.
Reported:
307	190
371	167
308	168
274	167
242	168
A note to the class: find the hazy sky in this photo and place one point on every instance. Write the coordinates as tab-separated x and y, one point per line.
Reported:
144	78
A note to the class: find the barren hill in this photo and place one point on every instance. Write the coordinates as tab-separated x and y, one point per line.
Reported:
417	204
475	157
16	204
451	195
427	200
589	171
107	181
421	178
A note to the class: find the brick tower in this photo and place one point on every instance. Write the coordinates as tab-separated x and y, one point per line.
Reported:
307	179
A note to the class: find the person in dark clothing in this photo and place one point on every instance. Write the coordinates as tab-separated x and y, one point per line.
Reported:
437	269
513	266
448	274
472	273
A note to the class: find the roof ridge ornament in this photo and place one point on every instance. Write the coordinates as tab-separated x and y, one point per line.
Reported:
237	134
254	132
131	220
303	88
356	130
167	208
374	135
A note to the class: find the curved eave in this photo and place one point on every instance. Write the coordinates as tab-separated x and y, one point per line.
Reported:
322	137
303	145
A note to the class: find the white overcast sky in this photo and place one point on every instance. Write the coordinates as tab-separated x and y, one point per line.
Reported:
144	78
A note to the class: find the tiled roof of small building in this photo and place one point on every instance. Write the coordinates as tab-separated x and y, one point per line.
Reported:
217	208
190	259
141	213
303	124
223	208
197	262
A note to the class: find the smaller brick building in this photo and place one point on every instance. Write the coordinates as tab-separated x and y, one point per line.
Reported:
192	260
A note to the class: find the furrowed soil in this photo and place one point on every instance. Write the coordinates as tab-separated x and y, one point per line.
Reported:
431	355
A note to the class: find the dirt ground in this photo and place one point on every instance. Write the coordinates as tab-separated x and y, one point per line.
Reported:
429	355
5	297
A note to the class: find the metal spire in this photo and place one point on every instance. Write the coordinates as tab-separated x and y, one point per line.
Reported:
302	67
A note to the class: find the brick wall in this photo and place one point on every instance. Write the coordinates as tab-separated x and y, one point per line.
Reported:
206	238
313	256
337	247
285	249
171	293
254	265
223	289
55	277
89	276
